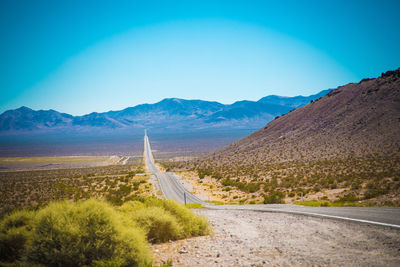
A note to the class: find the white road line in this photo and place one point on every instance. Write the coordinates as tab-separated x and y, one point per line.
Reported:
307	214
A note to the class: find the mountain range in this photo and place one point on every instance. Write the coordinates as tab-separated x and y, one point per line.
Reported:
171	114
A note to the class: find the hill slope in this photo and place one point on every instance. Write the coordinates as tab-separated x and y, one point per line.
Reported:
343	147
357	119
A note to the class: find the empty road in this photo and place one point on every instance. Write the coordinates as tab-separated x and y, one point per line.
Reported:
169	186
172	189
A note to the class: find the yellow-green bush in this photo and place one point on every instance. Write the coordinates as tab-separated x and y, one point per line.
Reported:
159	224
192	225
14	234
94	233
79	234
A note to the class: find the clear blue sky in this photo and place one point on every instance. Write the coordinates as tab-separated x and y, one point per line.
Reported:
84	56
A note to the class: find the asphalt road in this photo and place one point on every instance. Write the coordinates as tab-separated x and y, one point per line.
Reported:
172	189
384	216
169	186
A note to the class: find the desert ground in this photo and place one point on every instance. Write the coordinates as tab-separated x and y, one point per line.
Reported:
248	238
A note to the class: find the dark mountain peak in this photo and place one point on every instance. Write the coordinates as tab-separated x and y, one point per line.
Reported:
391	73
17	111
24	109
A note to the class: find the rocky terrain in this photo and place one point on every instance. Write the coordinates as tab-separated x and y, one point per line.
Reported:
358	119
248	238
343	147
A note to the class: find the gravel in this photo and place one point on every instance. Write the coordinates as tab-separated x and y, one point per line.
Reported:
248	238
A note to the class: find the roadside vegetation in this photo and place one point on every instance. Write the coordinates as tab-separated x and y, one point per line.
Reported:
114	183
368	181
94	232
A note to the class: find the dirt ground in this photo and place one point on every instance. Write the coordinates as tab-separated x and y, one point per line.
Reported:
248	238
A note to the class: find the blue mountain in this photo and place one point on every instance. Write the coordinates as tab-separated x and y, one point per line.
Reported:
168	114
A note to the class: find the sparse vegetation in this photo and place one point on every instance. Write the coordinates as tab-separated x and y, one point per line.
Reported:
115	183
353	181
274	197
194	206
344	145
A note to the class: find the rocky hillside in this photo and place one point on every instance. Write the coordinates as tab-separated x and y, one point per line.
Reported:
358	119
343	147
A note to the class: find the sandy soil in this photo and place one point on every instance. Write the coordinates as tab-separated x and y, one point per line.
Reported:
190	180
248	238
66	162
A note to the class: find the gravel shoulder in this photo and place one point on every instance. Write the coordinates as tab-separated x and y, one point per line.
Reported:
249	238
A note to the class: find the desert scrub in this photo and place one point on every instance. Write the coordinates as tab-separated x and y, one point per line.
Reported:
194	206
160	225
84	233
274	197
118	183
94	232
192	225
372	179
15	231
314	203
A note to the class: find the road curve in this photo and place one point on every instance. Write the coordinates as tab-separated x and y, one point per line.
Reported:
172	189
382	216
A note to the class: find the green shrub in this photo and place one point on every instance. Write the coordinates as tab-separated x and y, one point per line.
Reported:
192	225
94	233
83	233
350	197
131	206
313	203
159	224
274	197
243	186
203	172
15	232
64	234
194	206
324	204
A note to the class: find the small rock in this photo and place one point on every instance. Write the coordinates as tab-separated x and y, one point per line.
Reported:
182	251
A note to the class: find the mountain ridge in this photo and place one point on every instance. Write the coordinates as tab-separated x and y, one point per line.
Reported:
168	114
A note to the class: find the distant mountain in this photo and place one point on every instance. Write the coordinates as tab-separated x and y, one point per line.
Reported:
355	120
169	114
294	102
26	119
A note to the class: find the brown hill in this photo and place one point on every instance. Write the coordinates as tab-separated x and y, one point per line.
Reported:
343	147
357	120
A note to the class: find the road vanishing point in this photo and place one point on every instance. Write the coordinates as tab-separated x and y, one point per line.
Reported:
173	189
